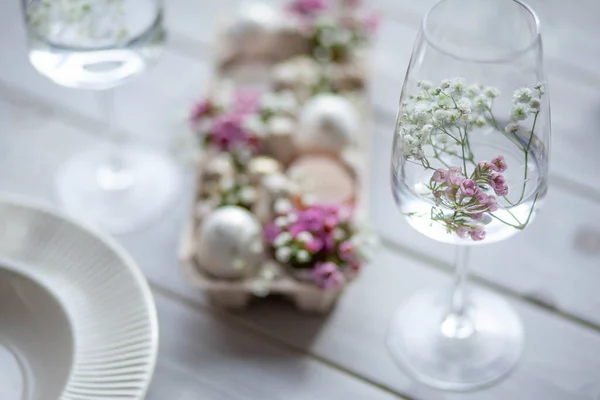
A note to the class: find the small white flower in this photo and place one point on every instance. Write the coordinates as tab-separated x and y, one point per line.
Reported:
302	256
254	124
418	153
424	85
519	112
480	121
541	88
513	127
534	103
457	86
227	183
292	217
445	84
304	237
522	95
472	91
282	239
282	206
281	222
442	115
464	105
283	254
338	234
491	92
481	103
247	194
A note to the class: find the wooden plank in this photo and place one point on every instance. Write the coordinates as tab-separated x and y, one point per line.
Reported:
560	361
202	357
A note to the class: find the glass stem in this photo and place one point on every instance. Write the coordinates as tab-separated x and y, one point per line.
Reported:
113	174
459	295
457	324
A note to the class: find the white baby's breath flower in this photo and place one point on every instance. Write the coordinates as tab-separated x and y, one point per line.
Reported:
458	86
442	115
424	85
304	237
338	234
418	153
541	88
281	222
282	239
302	256
254	124
283	254
513	127
480	121
464	105
247	194
292	217
491	92
519	112
534	103
472	91
522	95
481	104
445	84
282	206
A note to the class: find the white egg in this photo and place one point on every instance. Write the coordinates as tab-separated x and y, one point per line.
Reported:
227	243
328	123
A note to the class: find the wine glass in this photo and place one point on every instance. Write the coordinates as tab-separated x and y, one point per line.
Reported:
98	45
469	167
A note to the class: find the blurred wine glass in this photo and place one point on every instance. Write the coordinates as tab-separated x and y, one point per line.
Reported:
469	167
98	45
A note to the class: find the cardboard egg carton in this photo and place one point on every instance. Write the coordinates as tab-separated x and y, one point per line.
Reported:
303	293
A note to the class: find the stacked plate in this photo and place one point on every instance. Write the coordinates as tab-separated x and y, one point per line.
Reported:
77	319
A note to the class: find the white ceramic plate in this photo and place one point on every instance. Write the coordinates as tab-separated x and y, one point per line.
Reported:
77	319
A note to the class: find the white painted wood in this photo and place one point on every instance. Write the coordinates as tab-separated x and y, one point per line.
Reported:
201	357
560	361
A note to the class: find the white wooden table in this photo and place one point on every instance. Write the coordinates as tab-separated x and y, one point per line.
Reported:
272	352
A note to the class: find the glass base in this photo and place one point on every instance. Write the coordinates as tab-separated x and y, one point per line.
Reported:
118	202
451	353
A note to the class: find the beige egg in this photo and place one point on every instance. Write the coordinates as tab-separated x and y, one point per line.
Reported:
322	179
328	123
261	166
229	243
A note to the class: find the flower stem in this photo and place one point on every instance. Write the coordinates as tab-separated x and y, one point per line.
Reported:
525	167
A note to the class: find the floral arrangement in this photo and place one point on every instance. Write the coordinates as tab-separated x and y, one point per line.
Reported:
436	125
334	35
322	239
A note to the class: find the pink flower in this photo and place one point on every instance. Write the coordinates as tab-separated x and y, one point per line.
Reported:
246	101
477	216
451	193
440	175
477	233
331	222
200	110
491	204
498	183
327	275
480	195
351	3
500	163
468	187
485	166
346	251
227	134
496	180
315	245
455	176
371	23
463	232
307	8
270	232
